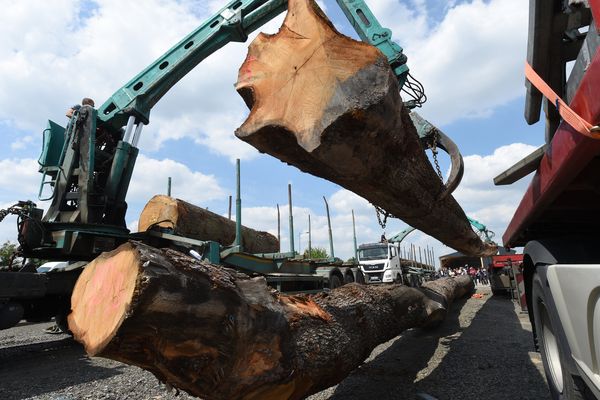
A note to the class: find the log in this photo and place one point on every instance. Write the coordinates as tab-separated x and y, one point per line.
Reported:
330	106
220	334
194	222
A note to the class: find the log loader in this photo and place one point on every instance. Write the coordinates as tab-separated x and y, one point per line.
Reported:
87	167
557	219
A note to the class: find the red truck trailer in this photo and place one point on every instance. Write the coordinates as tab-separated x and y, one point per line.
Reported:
558	218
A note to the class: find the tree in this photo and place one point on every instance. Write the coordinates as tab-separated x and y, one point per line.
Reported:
352	260
316	252
6	252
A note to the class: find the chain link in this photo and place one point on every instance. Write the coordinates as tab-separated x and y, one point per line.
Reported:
434	154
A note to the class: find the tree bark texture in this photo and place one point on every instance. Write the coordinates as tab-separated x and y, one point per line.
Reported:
220	334
191	221
330	106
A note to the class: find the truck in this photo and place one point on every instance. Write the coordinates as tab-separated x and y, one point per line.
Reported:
500	272
557	219
382	262
87	166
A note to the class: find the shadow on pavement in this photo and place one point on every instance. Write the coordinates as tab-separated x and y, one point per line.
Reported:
487	359
38	368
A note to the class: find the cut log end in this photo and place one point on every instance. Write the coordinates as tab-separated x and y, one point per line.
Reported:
103	293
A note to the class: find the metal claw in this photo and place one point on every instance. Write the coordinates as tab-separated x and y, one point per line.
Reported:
431	136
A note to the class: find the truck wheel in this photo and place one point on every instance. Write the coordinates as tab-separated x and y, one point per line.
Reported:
348	278
560	381
334	281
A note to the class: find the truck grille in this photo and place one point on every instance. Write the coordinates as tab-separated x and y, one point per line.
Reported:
376	277
373	267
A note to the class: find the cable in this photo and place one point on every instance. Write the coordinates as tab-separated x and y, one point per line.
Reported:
415	91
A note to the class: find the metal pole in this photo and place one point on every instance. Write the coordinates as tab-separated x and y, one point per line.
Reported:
238	206
279	227
291	219
229	214
329	225
169	187
354	236
420	256
309	239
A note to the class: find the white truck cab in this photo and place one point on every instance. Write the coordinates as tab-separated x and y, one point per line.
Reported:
380	262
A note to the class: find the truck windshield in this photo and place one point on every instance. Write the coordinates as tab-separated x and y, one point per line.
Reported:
373	253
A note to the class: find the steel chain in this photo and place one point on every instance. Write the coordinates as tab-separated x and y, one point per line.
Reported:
434	153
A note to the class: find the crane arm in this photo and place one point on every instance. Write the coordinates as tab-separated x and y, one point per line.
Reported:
232	23
399	237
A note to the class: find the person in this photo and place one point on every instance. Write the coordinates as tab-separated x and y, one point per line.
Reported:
81	144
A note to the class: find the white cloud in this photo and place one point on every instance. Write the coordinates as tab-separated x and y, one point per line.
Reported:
18	177
492	205
470	62
150	177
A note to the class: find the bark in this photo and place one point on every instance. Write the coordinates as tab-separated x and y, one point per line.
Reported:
330	106
220	334
188	220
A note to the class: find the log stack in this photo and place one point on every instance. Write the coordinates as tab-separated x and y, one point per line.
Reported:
330	106
220	334
188	220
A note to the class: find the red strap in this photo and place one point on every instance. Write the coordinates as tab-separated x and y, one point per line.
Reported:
568	115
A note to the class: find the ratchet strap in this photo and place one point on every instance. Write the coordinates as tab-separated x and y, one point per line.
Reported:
568	115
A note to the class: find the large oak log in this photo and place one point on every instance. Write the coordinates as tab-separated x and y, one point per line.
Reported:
330	106
188	220
219	334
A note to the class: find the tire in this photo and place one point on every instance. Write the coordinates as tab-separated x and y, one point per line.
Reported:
551	343
359	278
348	278
398	279
334	281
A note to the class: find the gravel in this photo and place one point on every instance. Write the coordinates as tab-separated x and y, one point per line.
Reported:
483	350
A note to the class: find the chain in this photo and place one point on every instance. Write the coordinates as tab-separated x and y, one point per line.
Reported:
434	153
380	211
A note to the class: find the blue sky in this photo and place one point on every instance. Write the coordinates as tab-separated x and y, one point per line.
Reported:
468	54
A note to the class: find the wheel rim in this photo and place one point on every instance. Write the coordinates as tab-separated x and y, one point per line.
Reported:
551	350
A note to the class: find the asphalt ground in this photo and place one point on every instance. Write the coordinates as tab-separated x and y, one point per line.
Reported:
483	350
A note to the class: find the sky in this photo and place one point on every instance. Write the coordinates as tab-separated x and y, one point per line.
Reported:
469	55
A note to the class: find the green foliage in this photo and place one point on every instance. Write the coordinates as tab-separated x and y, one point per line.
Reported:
6	252
316	253
352	260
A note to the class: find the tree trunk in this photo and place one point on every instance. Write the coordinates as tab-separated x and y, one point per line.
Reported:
330	106
198	223
219	334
